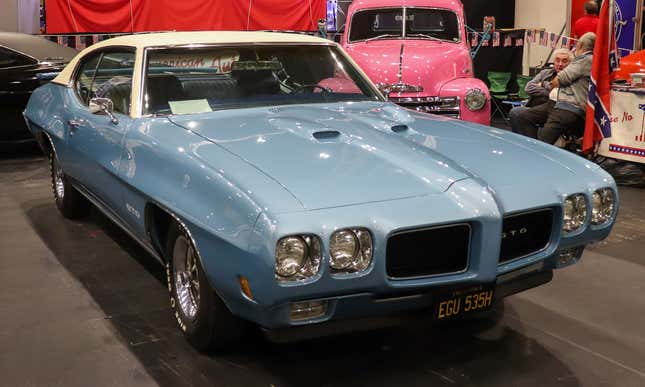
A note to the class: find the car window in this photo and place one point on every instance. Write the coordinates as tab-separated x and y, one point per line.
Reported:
438	23
85	77
107	75
113	79
9	58
420	23
192	80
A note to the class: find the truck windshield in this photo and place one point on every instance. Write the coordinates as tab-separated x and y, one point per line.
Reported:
197	80
419	23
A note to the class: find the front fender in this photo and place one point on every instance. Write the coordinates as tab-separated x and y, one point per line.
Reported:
459	87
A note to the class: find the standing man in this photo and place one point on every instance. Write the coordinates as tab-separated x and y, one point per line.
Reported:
587	23
542	98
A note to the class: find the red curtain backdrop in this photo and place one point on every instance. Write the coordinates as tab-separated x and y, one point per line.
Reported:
92	16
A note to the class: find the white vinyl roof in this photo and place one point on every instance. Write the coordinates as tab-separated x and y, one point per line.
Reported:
208	37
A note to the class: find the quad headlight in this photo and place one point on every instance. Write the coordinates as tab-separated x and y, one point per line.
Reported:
603	203
475	99
297	257
575	213
350	250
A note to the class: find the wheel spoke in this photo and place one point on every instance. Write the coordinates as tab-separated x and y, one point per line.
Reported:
186	276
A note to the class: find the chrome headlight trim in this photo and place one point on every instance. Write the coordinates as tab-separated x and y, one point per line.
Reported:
574	213
350	250
603	206
475	99
297	257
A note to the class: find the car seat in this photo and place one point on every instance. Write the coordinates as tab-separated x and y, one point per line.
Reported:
160	89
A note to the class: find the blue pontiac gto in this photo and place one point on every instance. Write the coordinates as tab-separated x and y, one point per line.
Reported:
278	187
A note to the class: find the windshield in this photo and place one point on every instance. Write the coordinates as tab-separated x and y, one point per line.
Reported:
196	80
420	23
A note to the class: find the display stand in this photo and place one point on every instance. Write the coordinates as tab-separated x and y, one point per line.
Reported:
627	140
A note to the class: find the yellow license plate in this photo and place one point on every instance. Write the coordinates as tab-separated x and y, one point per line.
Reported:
464	301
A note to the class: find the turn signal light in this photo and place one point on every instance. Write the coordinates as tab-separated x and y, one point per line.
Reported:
246	289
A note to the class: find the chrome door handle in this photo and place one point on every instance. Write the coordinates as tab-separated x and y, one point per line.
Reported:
74	123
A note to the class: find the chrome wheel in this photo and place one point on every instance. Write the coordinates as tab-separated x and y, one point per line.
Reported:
185	276
59	186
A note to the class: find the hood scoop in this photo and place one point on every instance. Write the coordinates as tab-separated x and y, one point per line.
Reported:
323	135
399	128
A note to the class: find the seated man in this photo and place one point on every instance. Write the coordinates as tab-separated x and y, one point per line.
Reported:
568	114
526	119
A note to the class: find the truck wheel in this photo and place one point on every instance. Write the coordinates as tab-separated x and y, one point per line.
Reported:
69	201
201	314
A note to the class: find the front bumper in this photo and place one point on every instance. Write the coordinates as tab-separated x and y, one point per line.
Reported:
347	314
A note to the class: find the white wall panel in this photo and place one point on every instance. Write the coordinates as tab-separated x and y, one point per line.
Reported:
548	14
20	16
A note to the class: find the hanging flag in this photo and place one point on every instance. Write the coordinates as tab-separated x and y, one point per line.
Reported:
565	42
529	36
605	60
474	39
553	38
496	39
543	38
519	42
79	42
508	41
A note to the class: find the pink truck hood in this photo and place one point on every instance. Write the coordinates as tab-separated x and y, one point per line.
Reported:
422	63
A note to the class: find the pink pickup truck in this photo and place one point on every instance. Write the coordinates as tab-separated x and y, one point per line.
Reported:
417	51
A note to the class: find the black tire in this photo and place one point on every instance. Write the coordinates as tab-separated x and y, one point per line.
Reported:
206	321
69	201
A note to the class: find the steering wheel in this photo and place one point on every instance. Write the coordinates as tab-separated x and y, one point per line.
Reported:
301	88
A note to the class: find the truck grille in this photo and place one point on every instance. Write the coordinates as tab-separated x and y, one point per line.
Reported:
526	233
446	106
430	251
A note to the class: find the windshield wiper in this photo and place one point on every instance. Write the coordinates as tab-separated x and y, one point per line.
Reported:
425	37
382	37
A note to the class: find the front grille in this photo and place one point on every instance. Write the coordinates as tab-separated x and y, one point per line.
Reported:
430	251
525	234
448	106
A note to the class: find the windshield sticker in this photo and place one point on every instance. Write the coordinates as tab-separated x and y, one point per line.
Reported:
220	62
190	106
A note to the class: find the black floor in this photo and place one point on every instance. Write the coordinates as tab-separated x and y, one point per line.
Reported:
83	305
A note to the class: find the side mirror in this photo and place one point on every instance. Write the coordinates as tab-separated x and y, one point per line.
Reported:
103	106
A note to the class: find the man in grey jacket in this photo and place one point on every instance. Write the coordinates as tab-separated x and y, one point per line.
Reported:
568	98
526	119
568	113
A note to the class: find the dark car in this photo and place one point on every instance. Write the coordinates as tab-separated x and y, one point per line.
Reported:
26	62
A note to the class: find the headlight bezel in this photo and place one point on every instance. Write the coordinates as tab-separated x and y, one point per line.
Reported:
606	212
361	261
580	213
311	262
475	93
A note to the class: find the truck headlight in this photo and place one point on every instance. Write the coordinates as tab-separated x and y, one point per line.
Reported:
575	212
475	99
603	205
350	250
297	257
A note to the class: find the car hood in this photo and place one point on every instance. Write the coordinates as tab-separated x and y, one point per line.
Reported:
350	153
424	63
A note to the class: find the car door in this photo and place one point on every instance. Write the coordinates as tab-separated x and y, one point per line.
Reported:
95	140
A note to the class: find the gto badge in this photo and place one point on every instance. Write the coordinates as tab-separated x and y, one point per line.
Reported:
514	233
